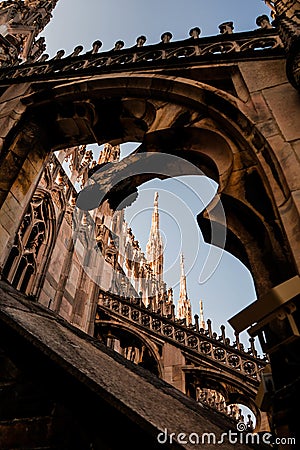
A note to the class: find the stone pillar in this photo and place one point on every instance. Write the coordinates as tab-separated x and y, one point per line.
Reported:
172	363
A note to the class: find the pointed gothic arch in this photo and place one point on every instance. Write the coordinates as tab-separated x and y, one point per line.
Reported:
25	264
114	108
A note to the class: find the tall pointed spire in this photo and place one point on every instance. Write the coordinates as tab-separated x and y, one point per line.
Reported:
183	290
184	308
154	247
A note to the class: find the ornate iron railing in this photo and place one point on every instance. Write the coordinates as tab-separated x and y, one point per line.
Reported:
236	45
203	342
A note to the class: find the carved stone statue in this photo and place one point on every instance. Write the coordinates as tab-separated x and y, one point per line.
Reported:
37	50
270	4
21	22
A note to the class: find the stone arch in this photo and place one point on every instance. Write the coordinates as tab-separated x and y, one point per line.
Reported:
113	108
205	147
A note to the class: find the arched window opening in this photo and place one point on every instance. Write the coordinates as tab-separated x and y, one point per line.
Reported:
26	261
27	277
127	344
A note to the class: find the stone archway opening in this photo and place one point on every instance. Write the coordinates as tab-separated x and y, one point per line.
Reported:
186	117
189	121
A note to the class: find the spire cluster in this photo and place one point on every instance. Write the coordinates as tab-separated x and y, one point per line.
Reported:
138	274
20	24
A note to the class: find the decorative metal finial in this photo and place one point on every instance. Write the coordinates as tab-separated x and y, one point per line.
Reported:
59	54
76	51
96	46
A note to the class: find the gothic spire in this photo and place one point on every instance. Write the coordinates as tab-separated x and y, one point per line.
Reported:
184	305
154	247
20	24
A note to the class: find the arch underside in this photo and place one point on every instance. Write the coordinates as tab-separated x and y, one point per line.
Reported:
227	385
132	344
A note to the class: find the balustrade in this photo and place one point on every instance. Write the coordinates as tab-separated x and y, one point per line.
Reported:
204	342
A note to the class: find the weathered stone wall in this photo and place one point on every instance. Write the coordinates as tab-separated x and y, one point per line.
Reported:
66	289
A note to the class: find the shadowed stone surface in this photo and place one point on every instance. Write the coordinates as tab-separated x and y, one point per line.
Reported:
150	404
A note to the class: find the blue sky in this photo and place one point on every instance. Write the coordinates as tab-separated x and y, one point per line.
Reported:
229	288
83	21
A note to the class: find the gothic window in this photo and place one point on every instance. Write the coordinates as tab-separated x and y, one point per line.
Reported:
26	261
